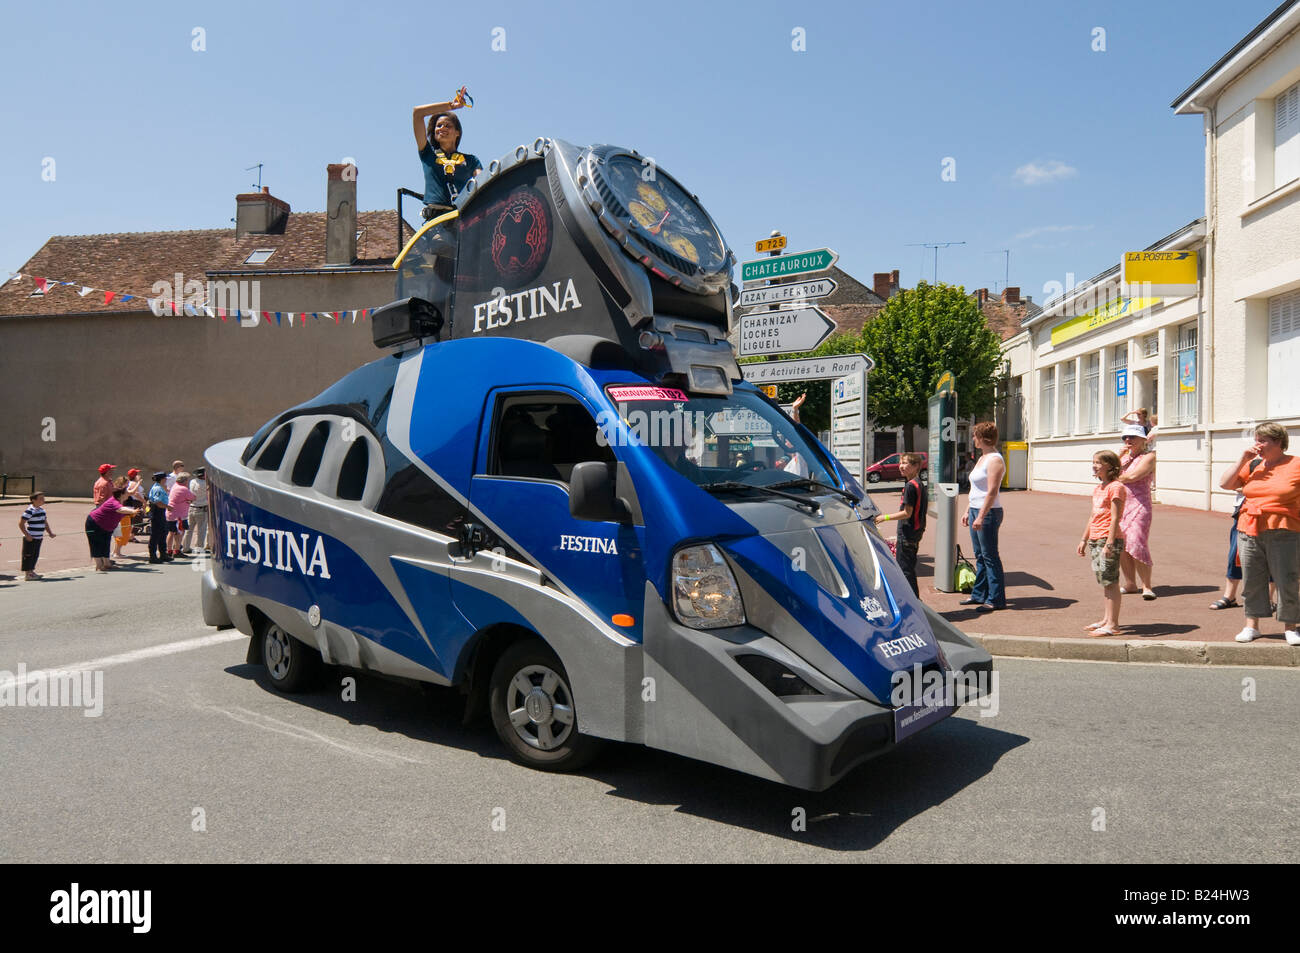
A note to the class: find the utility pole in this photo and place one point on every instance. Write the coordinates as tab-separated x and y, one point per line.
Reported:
936	246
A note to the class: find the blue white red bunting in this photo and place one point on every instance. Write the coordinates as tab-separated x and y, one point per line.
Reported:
162	307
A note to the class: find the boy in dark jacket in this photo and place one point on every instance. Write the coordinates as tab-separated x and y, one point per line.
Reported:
911	517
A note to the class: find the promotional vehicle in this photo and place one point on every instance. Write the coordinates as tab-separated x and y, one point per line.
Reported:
537	498
887	469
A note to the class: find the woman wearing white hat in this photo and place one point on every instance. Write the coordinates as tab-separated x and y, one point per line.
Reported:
1139	470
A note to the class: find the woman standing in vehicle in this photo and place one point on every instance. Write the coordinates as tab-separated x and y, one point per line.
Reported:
447	170
985	519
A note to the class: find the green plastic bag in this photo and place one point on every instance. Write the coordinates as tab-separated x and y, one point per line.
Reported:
963	577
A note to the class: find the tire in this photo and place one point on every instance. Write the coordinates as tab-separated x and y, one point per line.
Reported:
873	476
533	712
292	665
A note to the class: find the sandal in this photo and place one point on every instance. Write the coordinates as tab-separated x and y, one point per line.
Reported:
1128	592
1225	604
1099	633
1148	595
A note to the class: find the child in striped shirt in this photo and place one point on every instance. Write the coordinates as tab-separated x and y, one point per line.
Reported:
34	526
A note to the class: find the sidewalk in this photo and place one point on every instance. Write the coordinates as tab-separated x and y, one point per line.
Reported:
68	550
1051	593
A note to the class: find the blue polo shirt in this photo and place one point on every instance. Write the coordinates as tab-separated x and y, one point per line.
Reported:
158	494
446	175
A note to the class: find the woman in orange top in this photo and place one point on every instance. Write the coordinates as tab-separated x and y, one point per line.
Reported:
1268	530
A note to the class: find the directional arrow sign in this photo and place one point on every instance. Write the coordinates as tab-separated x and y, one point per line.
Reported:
802	263
783	332
806	368
784	294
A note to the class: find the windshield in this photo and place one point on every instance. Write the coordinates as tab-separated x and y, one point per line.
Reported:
429	267
740	438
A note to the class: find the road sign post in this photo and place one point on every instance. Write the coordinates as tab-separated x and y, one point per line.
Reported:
849	421
943	477
783	332
807	369
783	266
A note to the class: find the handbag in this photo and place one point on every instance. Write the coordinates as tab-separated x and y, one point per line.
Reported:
963	576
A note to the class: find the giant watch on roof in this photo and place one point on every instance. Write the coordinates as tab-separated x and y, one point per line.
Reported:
655	220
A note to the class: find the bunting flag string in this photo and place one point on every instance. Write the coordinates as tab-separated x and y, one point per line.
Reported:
186	306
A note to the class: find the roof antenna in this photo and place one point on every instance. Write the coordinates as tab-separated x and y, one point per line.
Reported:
258	167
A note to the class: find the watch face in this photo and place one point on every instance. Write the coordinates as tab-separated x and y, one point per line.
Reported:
669	222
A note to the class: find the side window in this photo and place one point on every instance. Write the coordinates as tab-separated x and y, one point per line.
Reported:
309	457
542	436
352	474
273	455
892	460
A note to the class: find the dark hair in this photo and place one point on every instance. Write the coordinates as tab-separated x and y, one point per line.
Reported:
433	121
911	459
1110	461
32	498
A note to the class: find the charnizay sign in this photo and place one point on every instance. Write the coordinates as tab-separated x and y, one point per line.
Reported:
525	305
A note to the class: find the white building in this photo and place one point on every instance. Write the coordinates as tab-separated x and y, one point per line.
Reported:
1250	103
1215	364
1096	354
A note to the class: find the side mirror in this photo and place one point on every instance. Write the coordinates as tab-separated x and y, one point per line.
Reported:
591	493
410	319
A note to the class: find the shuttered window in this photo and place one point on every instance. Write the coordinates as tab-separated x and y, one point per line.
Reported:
1284	355
1091	380
1286	136
1067	398
1047	403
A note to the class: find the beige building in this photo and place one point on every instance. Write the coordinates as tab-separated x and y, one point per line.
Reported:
1250	104
1096	354
84	381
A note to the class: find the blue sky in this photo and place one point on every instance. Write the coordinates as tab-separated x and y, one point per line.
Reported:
1065	155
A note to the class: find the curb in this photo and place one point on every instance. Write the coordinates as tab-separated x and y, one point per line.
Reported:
1177	653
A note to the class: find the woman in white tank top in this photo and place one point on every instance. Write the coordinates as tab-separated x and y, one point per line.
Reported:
985	519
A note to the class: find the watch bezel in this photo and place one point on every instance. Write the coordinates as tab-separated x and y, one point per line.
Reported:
631	235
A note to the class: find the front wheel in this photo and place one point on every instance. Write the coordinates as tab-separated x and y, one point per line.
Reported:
292	665
873	476
533	710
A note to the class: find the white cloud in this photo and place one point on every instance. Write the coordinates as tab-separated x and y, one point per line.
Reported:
1036	173
1049	230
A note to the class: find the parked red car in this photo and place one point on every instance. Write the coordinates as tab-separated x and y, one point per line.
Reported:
887	469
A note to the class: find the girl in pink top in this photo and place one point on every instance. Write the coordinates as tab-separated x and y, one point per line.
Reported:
178	513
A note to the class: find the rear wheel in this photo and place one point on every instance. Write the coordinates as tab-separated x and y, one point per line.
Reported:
873	476
292	665
533	711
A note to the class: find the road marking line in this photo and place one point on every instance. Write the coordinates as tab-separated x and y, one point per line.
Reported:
268	723
138	655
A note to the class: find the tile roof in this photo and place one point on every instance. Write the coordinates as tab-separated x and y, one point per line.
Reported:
130	262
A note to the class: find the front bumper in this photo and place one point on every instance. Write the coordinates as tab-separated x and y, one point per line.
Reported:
702	701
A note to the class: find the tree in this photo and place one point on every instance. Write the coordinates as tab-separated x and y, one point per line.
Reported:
917	336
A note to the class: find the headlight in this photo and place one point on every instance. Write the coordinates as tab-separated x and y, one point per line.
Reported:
705	594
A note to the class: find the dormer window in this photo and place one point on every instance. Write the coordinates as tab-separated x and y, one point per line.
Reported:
259	256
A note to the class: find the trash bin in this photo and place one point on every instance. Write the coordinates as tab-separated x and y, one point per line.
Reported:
1017	475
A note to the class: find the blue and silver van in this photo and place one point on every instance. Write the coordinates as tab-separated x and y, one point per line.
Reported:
556	493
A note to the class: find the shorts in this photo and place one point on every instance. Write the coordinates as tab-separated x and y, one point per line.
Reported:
171	526
1106	567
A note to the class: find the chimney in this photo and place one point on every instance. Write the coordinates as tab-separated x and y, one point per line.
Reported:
881	284
1011	295
893	279
257	213
341	214
982	296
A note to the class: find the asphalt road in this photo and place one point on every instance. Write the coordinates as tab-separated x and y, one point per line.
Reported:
1174	761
